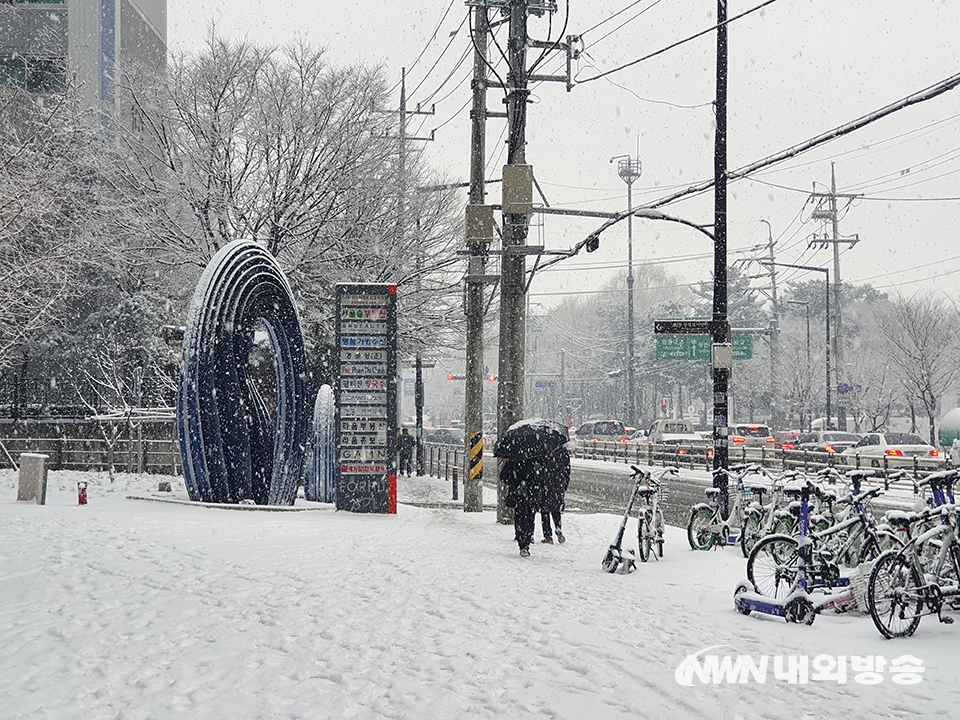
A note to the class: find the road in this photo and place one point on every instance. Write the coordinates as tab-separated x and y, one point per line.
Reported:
605	487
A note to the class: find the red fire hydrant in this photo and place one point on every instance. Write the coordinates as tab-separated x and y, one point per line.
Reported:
82	493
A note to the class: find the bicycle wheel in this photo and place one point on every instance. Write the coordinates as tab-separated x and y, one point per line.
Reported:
772	565
786	525
893	595
699	532
750	533
644	538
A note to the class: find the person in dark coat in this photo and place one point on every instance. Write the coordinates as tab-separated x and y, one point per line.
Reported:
406	442
524	482
556	469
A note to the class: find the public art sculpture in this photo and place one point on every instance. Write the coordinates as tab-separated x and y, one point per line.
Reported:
231	450
320	482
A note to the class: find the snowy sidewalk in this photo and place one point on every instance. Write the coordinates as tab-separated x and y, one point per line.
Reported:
124	609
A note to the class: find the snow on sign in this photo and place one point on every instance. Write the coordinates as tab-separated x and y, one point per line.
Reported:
366	398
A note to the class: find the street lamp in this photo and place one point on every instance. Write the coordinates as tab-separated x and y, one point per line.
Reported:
826	272
629	170
806	307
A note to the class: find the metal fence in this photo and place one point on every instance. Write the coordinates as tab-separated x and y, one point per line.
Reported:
149	447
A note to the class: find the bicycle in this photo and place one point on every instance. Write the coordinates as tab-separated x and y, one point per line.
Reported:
775	558
760	520
902	588
707	525
795	575
650	516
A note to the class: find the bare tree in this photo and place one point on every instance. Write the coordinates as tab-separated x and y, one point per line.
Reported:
45	229
281	147
921	334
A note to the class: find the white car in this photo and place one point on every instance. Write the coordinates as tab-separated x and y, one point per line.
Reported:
898	448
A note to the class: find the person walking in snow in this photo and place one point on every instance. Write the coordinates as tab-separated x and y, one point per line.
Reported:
406	442
524	482
556	479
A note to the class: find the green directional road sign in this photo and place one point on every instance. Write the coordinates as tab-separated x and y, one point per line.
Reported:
697	347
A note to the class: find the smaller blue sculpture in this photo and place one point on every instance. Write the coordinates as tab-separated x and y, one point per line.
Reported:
320	484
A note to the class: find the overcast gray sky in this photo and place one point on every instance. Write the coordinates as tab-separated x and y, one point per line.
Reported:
797	68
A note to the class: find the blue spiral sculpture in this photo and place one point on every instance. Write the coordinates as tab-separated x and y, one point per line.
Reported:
231	450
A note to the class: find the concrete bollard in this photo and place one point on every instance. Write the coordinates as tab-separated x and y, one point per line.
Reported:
33	478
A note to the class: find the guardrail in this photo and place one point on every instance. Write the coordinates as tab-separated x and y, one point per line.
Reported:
442	460
700	456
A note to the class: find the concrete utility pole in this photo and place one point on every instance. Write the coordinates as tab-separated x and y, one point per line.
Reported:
402	229
479	226
774	335
826	300
721	360
826	211
629	170
517	204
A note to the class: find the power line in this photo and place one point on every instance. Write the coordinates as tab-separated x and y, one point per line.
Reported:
677	44
625	22
432	37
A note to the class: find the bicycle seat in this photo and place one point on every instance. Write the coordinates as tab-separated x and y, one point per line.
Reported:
646	492
712	492
758	490
793	492
900	519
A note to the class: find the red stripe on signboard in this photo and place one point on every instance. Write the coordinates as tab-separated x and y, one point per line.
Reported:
392	494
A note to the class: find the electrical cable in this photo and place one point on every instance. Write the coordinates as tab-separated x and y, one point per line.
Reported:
677	44
432	37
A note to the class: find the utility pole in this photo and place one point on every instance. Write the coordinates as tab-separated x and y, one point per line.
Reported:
480	232
517	196
629	170
402	229
826	211
721	361
774	334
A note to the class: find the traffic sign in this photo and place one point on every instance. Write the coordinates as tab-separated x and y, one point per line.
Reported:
681	327
697	347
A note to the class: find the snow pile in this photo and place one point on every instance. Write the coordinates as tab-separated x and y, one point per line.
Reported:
131	609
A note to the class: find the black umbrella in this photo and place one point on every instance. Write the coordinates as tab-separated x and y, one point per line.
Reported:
531	438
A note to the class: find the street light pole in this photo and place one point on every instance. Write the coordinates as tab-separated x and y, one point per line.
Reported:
629	170
806	307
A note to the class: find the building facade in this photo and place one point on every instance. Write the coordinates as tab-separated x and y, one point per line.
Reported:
47	44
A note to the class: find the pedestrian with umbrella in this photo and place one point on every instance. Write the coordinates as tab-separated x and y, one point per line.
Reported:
556	480
526	447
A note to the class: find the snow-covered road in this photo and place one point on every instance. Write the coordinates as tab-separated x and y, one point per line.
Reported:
132	609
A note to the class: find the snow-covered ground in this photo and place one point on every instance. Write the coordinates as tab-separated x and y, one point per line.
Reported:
132	609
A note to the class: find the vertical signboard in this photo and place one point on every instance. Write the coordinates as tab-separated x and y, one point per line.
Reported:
366	398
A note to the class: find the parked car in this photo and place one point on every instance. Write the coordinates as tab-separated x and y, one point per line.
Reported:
827	441
751	435
899	448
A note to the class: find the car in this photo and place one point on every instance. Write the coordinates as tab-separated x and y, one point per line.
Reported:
827	441
750	435
786	439
898	448
600	431
444	436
